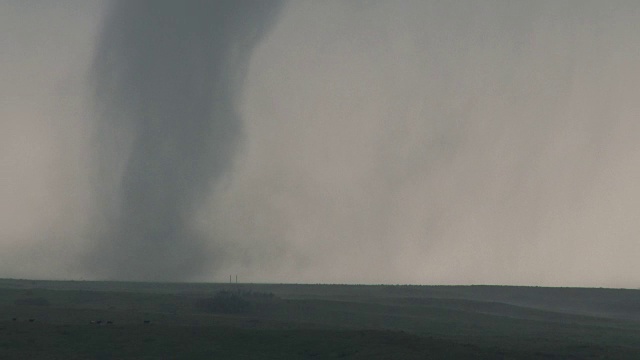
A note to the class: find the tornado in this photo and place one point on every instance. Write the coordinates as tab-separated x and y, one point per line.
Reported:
166	75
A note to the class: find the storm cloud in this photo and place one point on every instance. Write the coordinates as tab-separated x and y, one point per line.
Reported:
167	75
428	142
441	142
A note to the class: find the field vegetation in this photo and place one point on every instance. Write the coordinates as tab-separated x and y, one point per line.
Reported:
120	320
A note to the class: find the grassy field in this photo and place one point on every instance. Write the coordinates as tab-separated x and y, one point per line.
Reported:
120	320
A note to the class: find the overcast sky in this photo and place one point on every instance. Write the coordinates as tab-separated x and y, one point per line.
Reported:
427	142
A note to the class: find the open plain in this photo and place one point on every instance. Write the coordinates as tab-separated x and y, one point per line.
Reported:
127	320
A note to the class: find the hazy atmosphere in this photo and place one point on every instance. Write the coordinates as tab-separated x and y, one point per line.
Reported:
424	142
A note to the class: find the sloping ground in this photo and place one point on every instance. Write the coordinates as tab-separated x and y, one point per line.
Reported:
46	341
321	321
127	339
506	332
621	304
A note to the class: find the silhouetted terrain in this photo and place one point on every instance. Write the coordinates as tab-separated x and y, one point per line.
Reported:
124	320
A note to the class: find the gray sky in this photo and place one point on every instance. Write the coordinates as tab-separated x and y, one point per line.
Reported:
423	142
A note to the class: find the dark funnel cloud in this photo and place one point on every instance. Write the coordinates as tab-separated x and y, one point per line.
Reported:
166	74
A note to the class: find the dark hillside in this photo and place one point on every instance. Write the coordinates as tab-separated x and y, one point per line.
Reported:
139	320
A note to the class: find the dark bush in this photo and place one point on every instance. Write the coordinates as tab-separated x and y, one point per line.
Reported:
224	302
